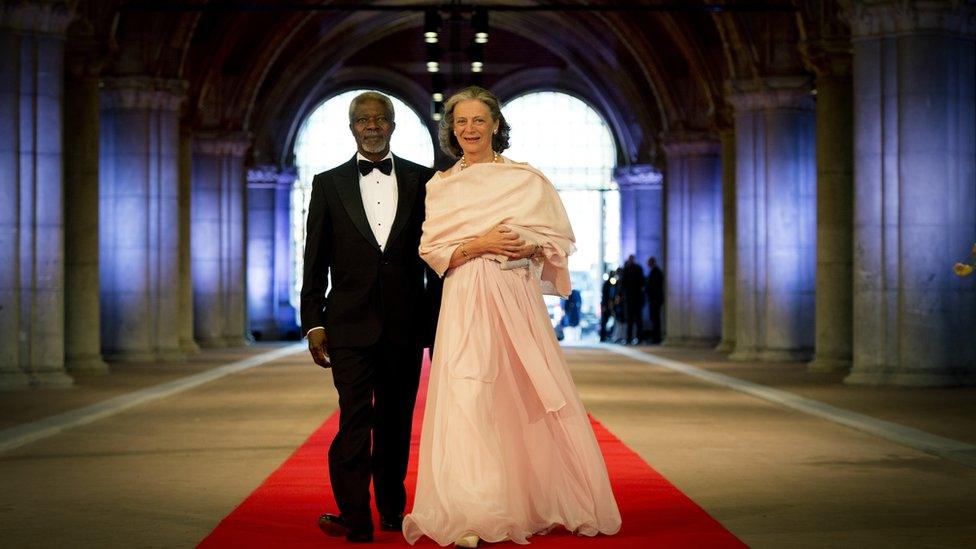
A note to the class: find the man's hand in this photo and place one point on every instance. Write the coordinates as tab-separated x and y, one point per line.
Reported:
317	342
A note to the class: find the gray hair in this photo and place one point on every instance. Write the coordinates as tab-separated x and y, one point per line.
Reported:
371	96
445	133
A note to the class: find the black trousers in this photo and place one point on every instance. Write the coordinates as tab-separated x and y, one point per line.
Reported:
635	320
377	388
656	322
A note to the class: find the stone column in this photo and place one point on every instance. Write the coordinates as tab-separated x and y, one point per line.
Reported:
641	212
915	195
31	194
269	253
776	219
139	218
693	264
83	345
835	204
217	243
187	344
727	345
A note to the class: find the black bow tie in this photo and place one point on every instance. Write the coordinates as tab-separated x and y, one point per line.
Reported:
385	166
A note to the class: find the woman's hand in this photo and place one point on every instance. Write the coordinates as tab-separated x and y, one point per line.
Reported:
529	251
500	240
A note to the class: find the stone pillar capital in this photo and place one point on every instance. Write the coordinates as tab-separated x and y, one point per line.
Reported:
271	176
781	92
84	60
38	17
691	144
638	177
222	143
872	18
142	92
828	58
84	55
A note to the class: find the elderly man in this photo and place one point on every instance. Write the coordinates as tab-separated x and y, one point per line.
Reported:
364	226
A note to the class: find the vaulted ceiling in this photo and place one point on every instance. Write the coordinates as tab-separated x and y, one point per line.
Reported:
653	69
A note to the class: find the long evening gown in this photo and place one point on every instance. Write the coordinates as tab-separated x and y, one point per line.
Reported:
506	450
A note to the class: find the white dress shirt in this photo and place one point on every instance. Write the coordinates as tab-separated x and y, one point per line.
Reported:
379	192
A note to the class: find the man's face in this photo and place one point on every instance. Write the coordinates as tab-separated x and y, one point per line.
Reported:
372	127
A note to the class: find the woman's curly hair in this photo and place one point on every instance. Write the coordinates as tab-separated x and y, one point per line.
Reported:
448	141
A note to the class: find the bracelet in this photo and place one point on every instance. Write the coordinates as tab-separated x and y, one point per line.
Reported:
464	253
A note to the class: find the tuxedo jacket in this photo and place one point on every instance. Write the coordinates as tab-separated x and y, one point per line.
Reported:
375	293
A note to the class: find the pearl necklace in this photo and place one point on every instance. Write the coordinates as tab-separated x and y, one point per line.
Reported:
464	159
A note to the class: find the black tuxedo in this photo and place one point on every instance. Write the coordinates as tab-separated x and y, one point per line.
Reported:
374	293
378	317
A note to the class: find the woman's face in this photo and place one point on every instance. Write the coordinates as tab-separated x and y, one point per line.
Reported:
473	127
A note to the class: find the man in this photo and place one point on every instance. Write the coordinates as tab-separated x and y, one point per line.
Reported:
607	294
364	225
633	287
655	297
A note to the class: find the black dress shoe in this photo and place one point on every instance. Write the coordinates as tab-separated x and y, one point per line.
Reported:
391	523
333	525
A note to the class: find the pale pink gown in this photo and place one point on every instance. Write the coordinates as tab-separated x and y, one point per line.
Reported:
506	450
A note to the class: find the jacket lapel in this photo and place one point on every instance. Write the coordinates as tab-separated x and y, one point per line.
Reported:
406	193
347	185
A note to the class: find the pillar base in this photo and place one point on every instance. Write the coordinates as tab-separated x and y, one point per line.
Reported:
51	380
695	342
189	347
87	365
827	365
744	355
910	379
267	331
169	355
211	342
785	355
235	341
130	356
14	381
725	346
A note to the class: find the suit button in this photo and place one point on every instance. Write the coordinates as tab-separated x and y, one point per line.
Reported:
384	262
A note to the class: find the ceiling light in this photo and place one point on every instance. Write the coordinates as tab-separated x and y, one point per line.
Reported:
432	25
479	22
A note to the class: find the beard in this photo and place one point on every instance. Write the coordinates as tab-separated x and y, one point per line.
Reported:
375	146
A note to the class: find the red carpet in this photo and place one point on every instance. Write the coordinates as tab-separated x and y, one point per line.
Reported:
282	512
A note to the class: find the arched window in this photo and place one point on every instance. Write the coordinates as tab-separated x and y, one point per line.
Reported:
570	142
325	141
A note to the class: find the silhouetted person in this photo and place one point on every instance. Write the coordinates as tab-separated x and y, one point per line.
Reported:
571	309
655	297
619	310
633	287
607	294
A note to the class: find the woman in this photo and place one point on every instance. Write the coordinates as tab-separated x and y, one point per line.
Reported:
506	450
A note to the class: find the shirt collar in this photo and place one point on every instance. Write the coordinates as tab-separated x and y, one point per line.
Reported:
359	156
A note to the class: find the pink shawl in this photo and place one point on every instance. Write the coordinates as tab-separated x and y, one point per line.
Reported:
469	203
